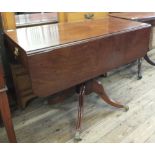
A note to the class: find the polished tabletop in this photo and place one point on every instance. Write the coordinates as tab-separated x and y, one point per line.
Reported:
47	37
137	16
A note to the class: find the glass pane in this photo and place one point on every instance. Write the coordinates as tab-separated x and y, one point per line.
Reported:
24	19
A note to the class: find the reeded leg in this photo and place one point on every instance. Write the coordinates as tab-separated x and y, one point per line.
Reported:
80	113
95	86
139	68
6	117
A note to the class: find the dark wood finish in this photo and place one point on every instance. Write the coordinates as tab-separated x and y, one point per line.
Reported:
87	88
139	68
61	56
41	39
22	83
5	110
82	92
72	69
146	57
147	17
96	87
95	43
1	121
151	62
24	92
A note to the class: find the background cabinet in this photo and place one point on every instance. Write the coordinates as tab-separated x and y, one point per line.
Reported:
78	16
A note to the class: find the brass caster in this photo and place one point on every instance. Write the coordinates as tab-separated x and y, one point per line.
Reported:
126	108
77	137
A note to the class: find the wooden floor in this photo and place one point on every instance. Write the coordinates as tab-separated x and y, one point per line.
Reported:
102	123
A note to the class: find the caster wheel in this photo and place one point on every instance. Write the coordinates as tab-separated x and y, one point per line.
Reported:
139	77
126	108
77	137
